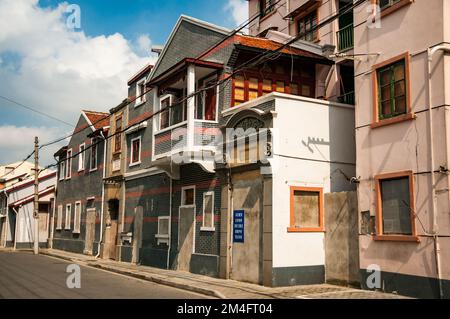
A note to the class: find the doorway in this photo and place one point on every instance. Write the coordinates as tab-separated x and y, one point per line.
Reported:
90	231
186	232
111	230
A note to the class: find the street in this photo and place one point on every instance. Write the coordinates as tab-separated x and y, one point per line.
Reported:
23	275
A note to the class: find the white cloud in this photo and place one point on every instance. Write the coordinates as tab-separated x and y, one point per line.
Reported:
60	71
20	141
238	9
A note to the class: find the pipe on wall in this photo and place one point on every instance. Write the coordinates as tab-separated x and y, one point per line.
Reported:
170	223
103	195
431	52
15	226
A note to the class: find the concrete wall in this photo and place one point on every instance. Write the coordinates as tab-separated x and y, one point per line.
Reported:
341	238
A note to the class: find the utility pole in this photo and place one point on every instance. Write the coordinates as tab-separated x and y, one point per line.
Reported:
36	195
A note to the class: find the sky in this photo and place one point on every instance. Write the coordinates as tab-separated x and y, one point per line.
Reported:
51	64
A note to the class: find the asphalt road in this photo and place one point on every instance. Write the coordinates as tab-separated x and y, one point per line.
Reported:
23	275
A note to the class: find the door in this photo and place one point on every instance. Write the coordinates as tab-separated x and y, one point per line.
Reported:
90	231
43	222
111	230
246	256
186	237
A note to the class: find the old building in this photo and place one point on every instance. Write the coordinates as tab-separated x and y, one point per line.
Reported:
79	197
17	200
402	145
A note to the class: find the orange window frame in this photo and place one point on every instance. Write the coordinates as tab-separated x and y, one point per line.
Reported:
379	211
409	115
292	228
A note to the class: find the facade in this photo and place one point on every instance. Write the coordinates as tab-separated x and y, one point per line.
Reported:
78	205
402	146
18	231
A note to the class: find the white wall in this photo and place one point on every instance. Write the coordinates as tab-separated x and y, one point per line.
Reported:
308	134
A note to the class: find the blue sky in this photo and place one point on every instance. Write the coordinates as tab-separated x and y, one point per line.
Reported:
60	71
156	17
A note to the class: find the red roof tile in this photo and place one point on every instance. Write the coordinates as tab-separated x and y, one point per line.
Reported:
98	119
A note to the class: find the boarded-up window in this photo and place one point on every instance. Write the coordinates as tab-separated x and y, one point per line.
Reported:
208	211
396	210
239	90
77	218
306	209
118	135
252	88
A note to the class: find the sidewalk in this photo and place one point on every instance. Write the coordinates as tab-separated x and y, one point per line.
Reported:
220	288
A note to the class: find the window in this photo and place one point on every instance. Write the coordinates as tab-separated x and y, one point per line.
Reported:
188	196
163	230
265	7
176	112
59	218
391	90
390	95
306	27
140	92
94	151
77	218
62	170
208	211
395	206
135	151
68	216
69	164
386	3
306	209
247	89
81	157
164	121
118	135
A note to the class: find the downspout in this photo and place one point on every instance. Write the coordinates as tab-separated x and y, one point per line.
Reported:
52	223
437	249
103	194
15	227
170	223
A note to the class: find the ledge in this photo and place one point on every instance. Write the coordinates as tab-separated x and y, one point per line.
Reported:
395	7
305	230
393	120
402	238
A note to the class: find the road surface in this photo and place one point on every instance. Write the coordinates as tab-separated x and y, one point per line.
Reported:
24	275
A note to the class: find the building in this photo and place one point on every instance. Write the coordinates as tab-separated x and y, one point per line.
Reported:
79	198
402	145
18	206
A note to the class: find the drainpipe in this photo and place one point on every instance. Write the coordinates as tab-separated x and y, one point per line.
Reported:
15	227
52	223
431	52
170	224
103	195
6	227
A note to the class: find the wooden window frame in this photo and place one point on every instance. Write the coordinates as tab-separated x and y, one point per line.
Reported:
393	7
292	228
77	218
208	227
163	238
166	109
183	196
409	115
68	173
132	163
94	150
302	16
59	217
62	170
118	136
379	213
140	100
68	217
81	157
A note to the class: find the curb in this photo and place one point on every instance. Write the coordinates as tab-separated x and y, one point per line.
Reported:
160	280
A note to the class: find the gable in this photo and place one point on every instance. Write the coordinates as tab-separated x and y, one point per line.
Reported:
188	40
81	131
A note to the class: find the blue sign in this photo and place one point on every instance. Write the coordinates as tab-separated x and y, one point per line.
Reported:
238	226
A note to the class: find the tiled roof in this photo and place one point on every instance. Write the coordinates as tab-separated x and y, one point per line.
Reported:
98	119
266	44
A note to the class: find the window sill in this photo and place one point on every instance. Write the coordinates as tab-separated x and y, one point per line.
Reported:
404	238
393	120
93	169
134	164
305	230
77	232
161	236
68	229
211	229
388	10
81	170
137	104
163	130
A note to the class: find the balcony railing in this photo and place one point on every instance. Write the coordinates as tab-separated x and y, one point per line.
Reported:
347	98
345	37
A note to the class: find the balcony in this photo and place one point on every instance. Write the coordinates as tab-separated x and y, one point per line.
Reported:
345	38
347	98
